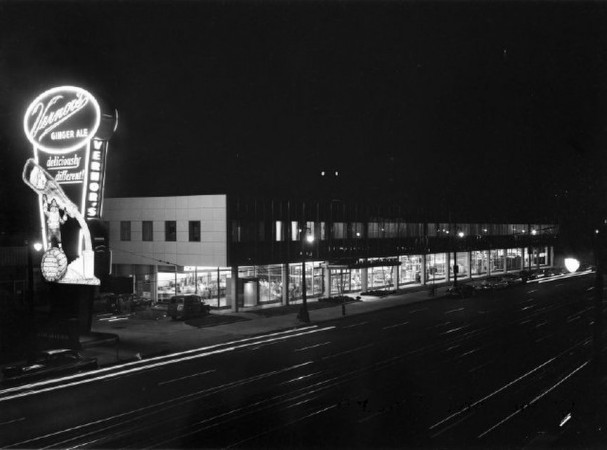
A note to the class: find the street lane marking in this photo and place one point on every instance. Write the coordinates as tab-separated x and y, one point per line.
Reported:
187	376
470	352
569	320
454	310
543	394
532	291
311	346
352	350
12	421
527	307
474	369
356	325
453	330
590	288
395	325
453	347
418	310
303	377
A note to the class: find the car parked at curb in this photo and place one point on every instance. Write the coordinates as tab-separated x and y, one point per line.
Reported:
48	364
183	307
492	283
461	290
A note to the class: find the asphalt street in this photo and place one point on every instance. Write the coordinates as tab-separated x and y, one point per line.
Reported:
498	369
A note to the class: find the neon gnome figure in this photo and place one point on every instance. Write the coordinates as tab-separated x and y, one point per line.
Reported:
55	218
57	207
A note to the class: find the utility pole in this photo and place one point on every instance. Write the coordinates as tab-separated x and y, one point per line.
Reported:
597	337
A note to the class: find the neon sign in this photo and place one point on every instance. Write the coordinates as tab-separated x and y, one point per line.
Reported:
70	139
62	119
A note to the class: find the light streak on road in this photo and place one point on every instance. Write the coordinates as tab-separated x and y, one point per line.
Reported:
149	364
347	352
206	372
536	399
566	419
395	325
355	325
12	421
311	346
137	414
494	393
453	330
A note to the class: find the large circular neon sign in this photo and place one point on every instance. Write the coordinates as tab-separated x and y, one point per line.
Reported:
62	119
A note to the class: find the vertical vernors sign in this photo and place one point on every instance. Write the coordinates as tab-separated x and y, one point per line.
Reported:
70	136
62	119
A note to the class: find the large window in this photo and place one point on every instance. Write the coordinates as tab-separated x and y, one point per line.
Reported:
339	230
497	260
314	280
279	231
125	230
462	264
514	259
194	230
380	277
170	231
356	230
435	267
147	230
270	283
480	262
410	269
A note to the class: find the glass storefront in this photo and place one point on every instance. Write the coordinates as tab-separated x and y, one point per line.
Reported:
497	260
436	267
314	280
538	257
410	269
380	277
345	280
480	262
514	259
462	264
270	283
209	283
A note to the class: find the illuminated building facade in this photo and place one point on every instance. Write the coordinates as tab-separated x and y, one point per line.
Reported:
216	245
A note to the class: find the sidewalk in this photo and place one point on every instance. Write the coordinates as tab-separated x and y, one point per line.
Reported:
142	338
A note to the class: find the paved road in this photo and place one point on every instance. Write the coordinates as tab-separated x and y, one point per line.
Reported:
490	370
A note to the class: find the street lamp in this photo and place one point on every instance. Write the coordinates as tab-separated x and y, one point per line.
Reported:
37	246
460	234
305	237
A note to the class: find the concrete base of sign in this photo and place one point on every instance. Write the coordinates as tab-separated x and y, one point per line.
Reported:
81	270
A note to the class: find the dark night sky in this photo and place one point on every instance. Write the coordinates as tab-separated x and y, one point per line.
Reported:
473	106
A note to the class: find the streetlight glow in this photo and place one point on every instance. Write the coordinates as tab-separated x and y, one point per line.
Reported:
37	246
572	264
461	234
310	238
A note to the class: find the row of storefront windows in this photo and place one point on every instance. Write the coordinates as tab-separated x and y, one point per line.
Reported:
251	231
266	284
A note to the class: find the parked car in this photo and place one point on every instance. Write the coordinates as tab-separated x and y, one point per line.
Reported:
512	278
183	307
492	283
461	290
48	364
